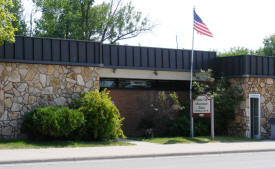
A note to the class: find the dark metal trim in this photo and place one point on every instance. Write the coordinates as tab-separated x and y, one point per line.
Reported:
163	58
49	62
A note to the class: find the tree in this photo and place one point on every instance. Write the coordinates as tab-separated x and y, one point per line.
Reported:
19	23
7	30
267	50
269	46
60	18
235	51
119	22
83	20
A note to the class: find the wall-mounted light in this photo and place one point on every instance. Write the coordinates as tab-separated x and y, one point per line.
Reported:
114	70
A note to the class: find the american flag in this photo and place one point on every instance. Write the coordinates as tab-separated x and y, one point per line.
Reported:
200	27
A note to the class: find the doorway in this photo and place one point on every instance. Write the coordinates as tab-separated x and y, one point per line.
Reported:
255	115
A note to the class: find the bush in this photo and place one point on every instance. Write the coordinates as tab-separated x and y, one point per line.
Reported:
159	110
180	126
52	122
103	121
227	98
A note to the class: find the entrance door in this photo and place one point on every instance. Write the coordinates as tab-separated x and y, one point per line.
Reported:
255	114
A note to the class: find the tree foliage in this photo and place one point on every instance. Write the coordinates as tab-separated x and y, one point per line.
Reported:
52	123
83	20
59	18
19	23
119	22
227	97
235	51
267	50
158	111
7	30
269	46
103	121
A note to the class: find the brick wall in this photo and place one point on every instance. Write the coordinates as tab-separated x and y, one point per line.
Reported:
133	104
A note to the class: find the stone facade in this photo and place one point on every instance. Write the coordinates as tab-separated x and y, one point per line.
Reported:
23	87
266	88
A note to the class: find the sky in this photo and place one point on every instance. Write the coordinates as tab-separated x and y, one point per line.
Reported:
243	23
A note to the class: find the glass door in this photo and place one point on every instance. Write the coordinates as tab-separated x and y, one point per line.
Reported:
255	116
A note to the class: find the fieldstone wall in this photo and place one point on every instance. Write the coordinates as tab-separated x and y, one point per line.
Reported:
266	88
23	87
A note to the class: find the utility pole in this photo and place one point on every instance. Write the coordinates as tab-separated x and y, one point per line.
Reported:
31	24
177	42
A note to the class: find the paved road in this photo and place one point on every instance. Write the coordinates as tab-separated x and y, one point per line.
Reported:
259	160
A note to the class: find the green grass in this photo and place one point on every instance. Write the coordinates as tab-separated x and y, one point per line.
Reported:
57	144
175	140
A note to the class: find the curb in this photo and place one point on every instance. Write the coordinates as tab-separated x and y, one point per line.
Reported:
133	156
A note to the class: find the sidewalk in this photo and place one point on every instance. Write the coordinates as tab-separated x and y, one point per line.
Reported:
142	149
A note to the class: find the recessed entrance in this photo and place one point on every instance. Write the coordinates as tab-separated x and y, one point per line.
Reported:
255	115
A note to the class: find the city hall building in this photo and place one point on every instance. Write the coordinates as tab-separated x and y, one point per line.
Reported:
47	71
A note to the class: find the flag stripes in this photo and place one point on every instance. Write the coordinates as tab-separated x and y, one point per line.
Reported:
201	27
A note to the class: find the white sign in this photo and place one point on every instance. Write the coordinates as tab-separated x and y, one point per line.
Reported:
201	104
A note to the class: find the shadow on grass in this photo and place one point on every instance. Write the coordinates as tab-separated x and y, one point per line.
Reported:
197	140
186	140
173	142
136	138
200	140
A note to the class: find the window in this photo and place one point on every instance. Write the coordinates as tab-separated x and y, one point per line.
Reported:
134	84
144	84
107	83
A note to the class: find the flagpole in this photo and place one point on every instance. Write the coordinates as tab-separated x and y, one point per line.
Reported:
191	79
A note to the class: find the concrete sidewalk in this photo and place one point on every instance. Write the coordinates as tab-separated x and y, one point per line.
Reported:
142	149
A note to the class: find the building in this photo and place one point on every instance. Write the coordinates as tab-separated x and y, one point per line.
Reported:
47	71
256	76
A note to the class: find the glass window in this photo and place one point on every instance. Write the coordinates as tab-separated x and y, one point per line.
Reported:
144	84
134	84
107	83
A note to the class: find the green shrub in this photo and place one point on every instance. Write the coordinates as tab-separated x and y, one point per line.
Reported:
103	121
180	126
52	122
158	110
227	97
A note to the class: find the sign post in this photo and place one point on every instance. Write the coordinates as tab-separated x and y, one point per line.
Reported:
203	106
212	120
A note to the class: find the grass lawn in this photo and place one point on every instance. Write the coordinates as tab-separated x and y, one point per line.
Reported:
175	140
57	144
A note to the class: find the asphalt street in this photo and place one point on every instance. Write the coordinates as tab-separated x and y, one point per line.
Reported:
257	160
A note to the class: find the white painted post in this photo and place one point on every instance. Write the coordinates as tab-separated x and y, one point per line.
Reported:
212	120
